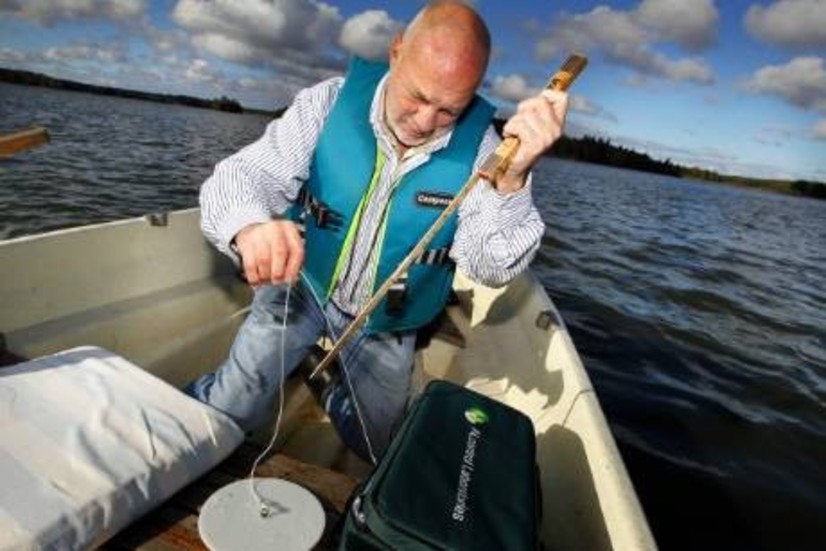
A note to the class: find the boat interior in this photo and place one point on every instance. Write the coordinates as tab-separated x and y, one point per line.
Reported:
152	291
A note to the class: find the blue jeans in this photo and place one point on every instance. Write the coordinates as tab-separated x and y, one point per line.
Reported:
246	385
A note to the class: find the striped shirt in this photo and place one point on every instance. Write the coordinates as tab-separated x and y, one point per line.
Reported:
497	235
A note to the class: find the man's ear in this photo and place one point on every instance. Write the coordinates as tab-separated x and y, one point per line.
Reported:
395	50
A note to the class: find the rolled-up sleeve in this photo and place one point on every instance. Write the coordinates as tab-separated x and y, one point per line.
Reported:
261	181
498	234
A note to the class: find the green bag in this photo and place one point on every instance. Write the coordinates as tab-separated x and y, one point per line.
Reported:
460	474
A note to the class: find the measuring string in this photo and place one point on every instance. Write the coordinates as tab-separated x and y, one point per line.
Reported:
264	506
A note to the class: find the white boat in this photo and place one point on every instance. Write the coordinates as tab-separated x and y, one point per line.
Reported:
151	290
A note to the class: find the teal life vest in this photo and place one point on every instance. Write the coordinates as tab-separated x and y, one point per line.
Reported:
346	166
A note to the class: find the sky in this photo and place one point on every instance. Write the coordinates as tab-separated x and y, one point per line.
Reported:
734	86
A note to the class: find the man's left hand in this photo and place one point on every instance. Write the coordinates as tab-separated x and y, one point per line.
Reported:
538	123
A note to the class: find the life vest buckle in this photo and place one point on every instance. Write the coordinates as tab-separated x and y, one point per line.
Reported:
396	297
323	215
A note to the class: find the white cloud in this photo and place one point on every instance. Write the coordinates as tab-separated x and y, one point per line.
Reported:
819	130
49	12
801	82
86	52
257	32
513	88
369	34
600	27
580	104
226	47
627	37
295	38
62	60
7	55
684	69
250	83
795	23
167	41
199	71
691	24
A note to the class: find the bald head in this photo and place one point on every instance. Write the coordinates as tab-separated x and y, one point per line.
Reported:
435	68
456	23
451	34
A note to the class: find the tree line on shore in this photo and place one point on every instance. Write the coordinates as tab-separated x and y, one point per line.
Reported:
14	76
598	150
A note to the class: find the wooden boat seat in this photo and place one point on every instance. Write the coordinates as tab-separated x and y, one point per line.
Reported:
174	525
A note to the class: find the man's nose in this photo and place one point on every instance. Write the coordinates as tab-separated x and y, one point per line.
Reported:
426	118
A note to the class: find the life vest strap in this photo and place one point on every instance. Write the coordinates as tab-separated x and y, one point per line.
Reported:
397	294
324	216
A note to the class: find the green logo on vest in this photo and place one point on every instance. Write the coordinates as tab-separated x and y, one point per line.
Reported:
476	416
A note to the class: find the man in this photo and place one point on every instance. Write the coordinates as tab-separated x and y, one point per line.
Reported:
367	162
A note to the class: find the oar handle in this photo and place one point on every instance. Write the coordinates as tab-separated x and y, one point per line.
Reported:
499	160
21	140
494	165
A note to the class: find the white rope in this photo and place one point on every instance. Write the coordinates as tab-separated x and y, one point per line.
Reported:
264	504
334	337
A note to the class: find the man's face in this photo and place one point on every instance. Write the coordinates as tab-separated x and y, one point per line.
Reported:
424	94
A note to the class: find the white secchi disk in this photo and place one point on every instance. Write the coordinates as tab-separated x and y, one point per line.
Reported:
232	519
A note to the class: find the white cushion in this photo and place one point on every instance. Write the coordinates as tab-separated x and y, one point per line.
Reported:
89	442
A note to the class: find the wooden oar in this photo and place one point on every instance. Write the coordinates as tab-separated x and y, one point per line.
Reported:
23	139
491	169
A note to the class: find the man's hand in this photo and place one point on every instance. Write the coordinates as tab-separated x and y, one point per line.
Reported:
271	253
538	124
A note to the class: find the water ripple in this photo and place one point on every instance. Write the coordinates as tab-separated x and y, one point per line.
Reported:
700	313
108	158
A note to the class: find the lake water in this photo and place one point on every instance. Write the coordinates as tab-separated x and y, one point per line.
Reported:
699	310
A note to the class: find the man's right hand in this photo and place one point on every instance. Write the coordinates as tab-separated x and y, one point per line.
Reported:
271	252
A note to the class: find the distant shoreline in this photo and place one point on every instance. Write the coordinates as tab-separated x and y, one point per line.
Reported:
587	149
224	103
601	151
